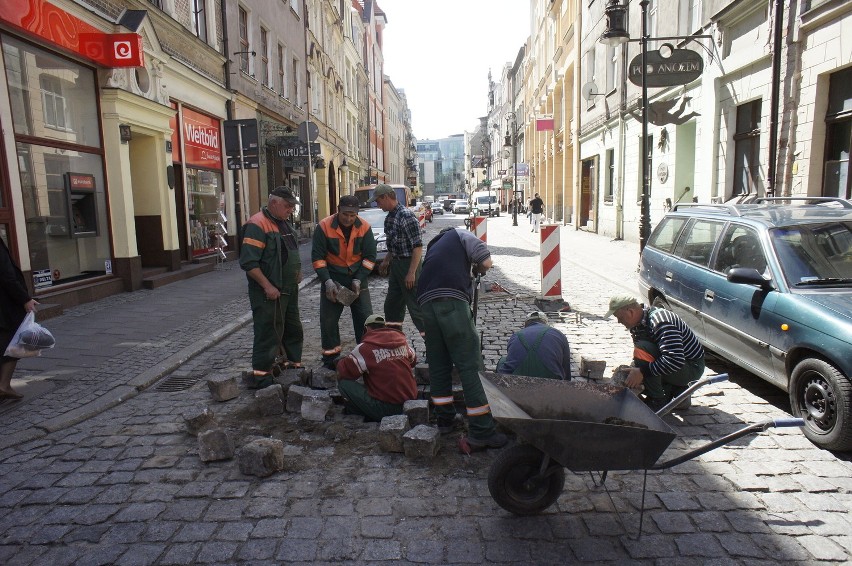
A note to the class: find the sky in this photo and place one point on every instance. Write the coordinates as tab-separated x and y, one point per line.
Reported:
439	53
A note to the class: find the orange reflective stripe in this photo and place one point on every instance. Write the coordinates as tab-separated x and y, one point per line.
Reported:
477	411
253	242
320	263
368	264
335	350
640	354
442	400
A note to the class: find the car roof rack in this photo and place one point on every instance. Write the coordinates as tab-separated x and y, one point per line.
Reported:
720	208
843	202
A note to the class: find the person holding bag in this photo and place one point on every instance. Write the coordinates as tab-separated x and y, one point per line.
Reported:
15	303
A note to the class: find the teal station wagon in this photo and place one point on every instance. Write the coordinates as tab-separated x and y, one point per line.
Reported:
768	286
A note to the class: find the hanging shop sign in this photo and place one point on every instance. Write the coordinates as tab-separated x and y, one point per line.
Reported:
58	27
666	66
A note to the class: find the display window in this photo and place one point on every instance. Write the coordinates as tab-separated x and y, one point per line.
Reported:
59	155
202	159
205	203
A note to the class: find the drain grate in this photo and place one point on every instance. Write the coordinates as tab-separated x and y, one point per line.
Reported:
178	383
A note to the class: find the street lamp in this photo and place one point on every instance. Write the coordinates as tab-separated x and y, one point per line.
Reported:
616	34
511	141
486	162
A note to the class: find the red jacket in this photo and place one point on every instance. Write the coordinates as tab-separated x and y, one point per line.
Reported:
386	361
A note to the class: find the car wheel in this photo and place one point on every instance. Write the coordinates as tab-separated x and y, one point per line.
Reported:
660	303
822	396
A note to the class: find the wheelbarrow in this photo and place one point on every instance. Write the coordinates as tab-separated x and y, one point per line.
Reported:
582	427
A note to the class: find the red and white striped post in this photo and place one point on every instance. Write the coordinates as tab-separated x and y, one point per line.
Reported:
551	266
480	228
421	218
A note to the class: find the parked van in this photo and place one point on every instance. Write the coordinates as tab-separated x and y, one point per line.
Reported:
485	203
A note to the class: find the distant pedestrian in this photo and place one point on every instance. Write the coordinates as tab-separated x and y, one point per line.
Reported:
385	361
343	255
445	292
666	354
537	350
403	263
270	257
536	209
15	303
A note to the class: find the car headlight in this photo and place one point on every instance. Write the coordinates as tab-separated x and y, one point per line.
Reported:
381	246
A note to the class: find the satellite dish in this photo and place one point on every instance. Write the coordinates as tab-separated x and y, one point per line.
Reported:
589	90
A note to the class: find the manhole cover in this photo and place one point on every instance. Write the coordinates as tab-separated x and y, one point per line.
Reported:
178	382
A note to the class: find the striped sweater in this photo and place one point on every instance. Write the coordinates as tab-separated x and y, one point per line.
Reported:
676	341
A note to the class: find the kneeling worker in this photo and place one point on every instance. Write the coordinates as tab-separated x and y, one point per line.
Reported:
386	361
537	350
666	354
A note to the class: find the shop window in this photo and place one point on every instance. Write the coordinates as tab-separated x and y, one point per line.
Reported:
609	187
65	213
46	91
205	203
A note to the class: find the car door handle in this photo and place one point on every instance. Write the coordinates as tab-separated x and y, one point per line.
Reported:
669	276
709	295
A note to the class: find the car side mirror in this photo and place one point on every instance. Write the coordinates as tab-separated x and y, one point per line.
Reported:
748	276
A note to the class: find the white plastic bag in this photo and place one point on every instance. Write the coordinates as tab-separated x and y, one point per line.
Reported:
30	339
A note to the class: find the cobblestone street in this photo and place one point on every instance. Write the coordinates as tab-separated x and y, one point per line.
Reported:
126	486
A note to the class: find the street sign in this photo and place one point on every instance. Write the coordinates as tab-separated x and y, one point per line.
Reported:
679	67
249	162
306	131
240	130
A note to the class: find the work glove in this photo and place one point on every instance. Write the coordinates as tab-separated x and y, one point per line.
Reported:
331	291
356	286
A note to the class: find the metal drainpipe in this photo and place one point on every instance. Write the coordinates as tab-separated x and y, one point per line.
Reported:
229	114
776	91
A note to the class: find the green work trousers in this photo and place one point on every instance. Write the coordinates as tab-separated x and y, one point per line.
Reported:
276	325
451	339
399	296
660	386
359	402
330	321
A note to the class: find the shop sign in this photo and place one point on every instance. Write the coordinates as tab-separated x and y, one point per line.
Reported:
201	140
42	278
81	182
666	67
523	169
58	27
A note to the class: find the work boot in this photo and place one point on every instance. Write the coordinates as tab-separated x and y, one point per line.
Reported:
257	380
447	425
496	440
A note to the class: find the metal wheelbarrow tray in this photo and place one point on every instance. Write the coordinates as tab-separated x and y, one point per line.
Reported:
582	427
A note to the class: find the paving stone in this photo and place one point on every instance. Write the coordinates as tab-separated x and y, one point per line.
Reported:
421	442
425	552
679	502
740	545
323	378
181	553
391	432
315	405
215	445
650	547
261	457
255	550
216	552
291	550
269	401
294	398
417	411
673	523
704	545
223	387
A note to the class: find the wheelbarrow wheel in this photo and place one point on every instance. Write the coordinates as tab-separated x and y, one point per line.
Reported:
516	484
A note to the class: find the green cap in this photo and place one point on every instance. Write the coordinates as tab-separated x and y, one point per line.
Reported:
374	319
619	302
382	190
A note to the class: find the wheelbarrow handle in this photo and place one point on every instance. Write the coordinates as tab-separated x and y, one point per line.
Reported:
717	378
788	421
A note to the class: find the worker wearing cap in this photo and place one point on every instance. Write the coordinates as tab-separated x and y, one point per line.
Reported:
343	255
537	350
269	254
386	362
402	264
666	354
445	292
